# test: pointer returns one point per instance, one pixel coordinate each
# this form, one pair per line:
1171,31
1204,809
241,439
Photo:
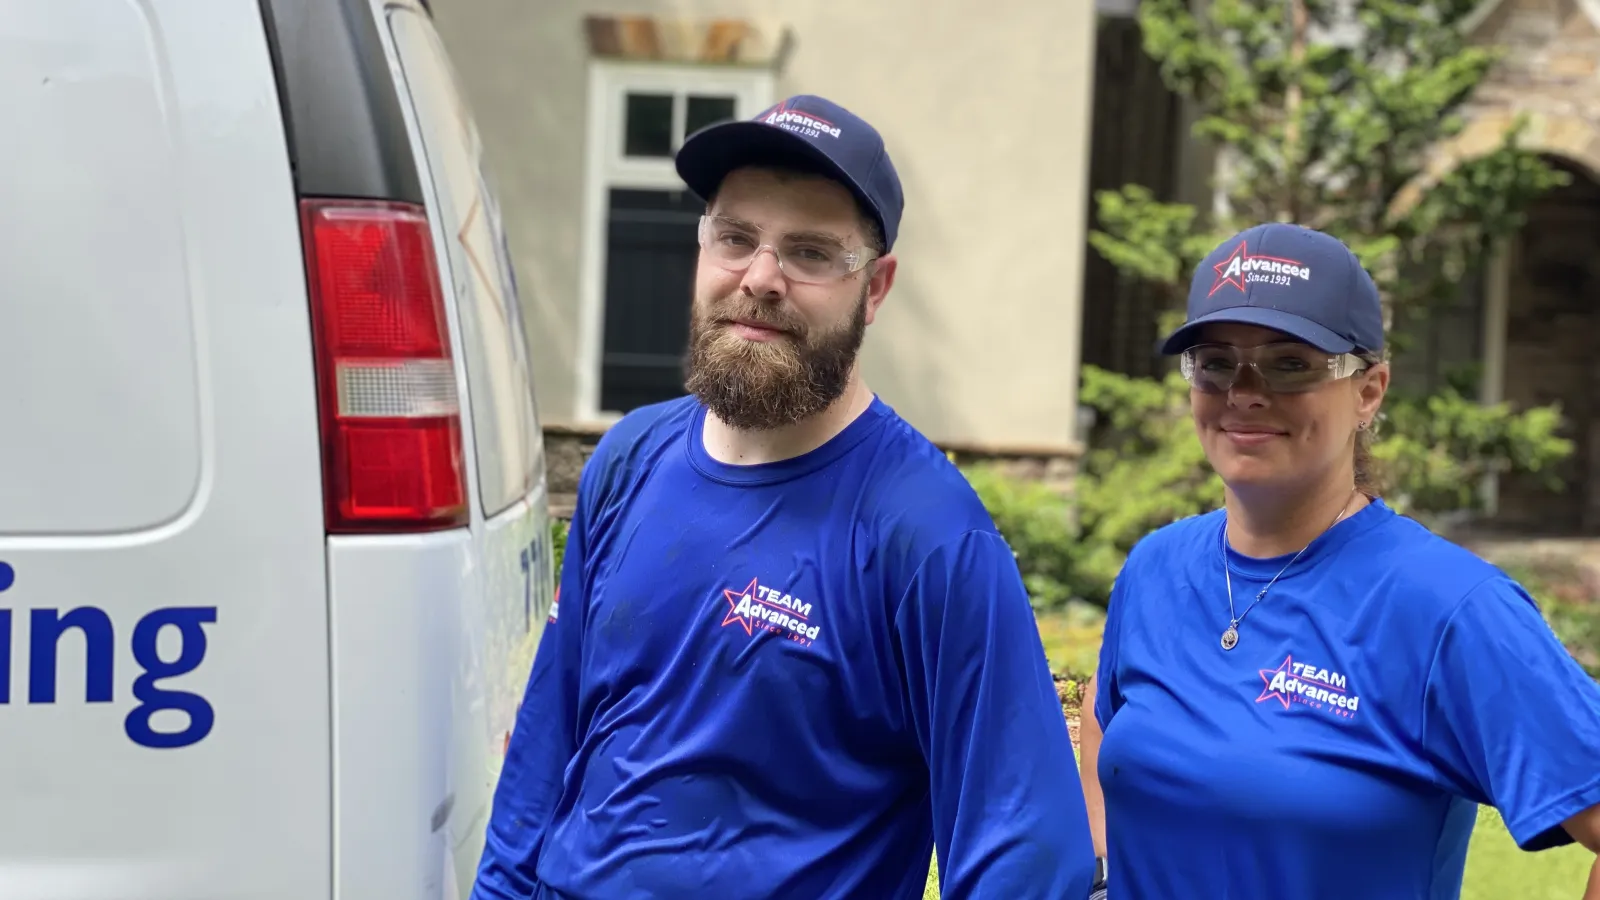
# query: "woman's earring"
1361,426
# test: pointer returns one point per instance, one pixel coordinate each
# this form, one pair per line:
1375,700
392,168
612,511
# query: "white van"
274,548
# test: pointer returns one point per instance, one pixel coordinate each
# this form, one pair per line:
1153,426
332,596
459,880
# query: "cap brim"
1295,326
712,152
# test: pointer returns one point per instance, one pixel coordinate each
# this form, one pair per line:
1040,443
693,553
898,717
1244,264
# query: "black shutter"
651,248
1137,135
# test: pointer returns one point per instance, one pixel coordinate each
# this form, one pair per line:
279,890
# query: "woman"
1305,695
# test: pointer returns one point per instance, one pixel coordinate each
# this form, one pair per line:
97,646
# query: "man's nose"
764,278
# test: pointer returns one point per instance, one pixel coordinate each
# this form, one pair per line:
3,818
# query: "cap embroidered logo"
1241,268
801,123
805,127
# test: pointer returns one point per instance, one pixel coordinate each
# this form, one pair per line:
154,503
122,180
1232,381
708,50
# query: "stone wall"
1552,49
1550,74
1550,78
1552,324
568,447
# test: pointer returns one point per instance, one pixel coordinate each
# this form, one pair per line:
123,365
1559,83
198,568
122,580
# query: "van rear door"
504,617
163,606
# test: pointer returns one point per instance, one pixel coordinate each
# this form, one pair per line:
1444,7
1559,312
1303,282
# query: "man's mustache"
729,312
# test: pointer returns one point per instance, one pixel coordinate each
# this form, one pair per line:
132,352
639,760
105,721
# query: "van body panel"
163,614
398,650
497,609
114,444
202,693
418,737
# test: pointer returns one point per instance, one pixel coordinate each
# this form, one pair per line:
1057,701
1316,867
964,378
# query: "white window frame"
605,168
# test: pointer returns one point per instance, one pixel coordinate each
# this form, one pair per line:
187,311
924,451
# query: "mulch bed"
1070,690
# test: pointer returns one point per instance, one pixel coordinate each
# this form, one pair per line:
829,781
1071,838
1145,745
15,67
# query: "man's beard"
762,385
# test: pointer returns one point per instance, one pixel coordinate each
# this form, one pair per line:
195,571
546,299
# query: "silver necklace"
1230,638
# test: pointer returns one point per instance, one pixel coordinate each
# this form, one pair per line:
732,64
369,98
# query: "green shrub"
1569,603
1434,451
1578,626
1144,469
558,544
1037,523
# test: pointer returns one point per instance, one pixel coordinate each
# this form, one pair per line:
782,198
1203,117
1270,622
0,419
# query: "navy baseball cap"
1289,278
801,130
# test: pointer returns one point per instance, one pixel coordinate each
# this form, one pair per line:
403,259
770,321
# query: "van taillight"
391,422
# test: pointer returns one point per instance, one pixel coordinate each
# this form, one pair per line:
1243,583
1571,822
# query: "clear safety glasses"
1285,367
808,258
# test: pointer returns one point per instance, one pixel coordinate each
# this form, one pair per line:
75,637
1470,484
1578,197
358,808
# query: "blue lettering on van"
530,563
534,558
44,636
46,628
192,651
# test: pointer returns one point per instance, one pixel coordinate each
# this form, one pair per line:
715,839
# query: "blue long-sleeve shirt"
791,680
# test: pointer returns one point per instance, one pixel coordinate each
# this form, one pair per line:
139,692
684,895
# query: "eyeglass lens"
802,257
1283,368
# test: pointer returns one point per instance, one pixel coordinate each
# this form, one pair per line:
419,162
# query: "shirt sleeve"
1511,718
1008,810
543,741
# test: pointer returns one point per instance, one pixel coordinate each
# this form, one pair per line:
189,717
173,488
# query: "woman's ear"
1371,387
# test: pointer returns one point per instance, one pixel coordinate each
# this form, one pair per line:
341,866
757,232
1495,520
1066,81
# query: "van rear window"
505,420
99,405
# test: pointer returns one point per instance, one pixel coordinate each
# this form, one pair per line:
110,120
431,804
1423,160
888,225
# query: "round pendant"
1230,638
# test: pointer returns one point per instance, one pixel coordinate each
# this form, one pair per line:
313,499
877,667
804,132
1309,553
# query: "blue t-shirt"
1389,682
790,680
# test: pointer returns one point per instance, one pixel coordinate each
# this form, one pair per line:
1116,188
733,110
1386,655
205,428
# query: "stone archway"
1540,304
1538,341
1550,77
1549,349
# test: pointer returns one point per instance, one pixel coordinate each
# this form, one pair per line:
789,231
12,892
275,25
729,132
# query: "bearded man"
791,656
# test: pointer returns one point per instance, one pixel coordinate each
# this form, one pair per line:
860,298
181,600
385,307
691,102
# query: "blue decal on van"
99,648
192,651
46,627
8,576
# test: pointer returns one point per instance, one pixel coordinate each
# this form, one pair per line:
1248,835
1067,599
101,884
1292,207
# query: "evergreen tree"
1327,113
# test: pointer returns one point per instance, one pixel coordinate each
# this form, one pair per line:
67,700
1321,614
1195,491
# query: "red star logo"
1267,693
1231,270
733,598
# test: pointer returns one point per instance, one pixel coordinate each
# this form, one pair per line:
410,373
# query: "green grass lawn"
1496,869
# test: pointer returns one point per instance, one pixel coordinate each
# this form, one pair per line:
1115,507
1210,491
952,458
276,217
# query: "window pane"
704,111
648,128
650,260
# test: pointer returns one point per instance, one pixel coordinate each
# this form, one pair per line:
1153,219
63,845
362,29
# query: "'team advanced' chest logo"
761,607
1310,685
1242,268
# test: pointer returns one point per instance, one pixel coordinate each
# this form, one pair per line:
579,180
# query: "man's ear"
879,280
